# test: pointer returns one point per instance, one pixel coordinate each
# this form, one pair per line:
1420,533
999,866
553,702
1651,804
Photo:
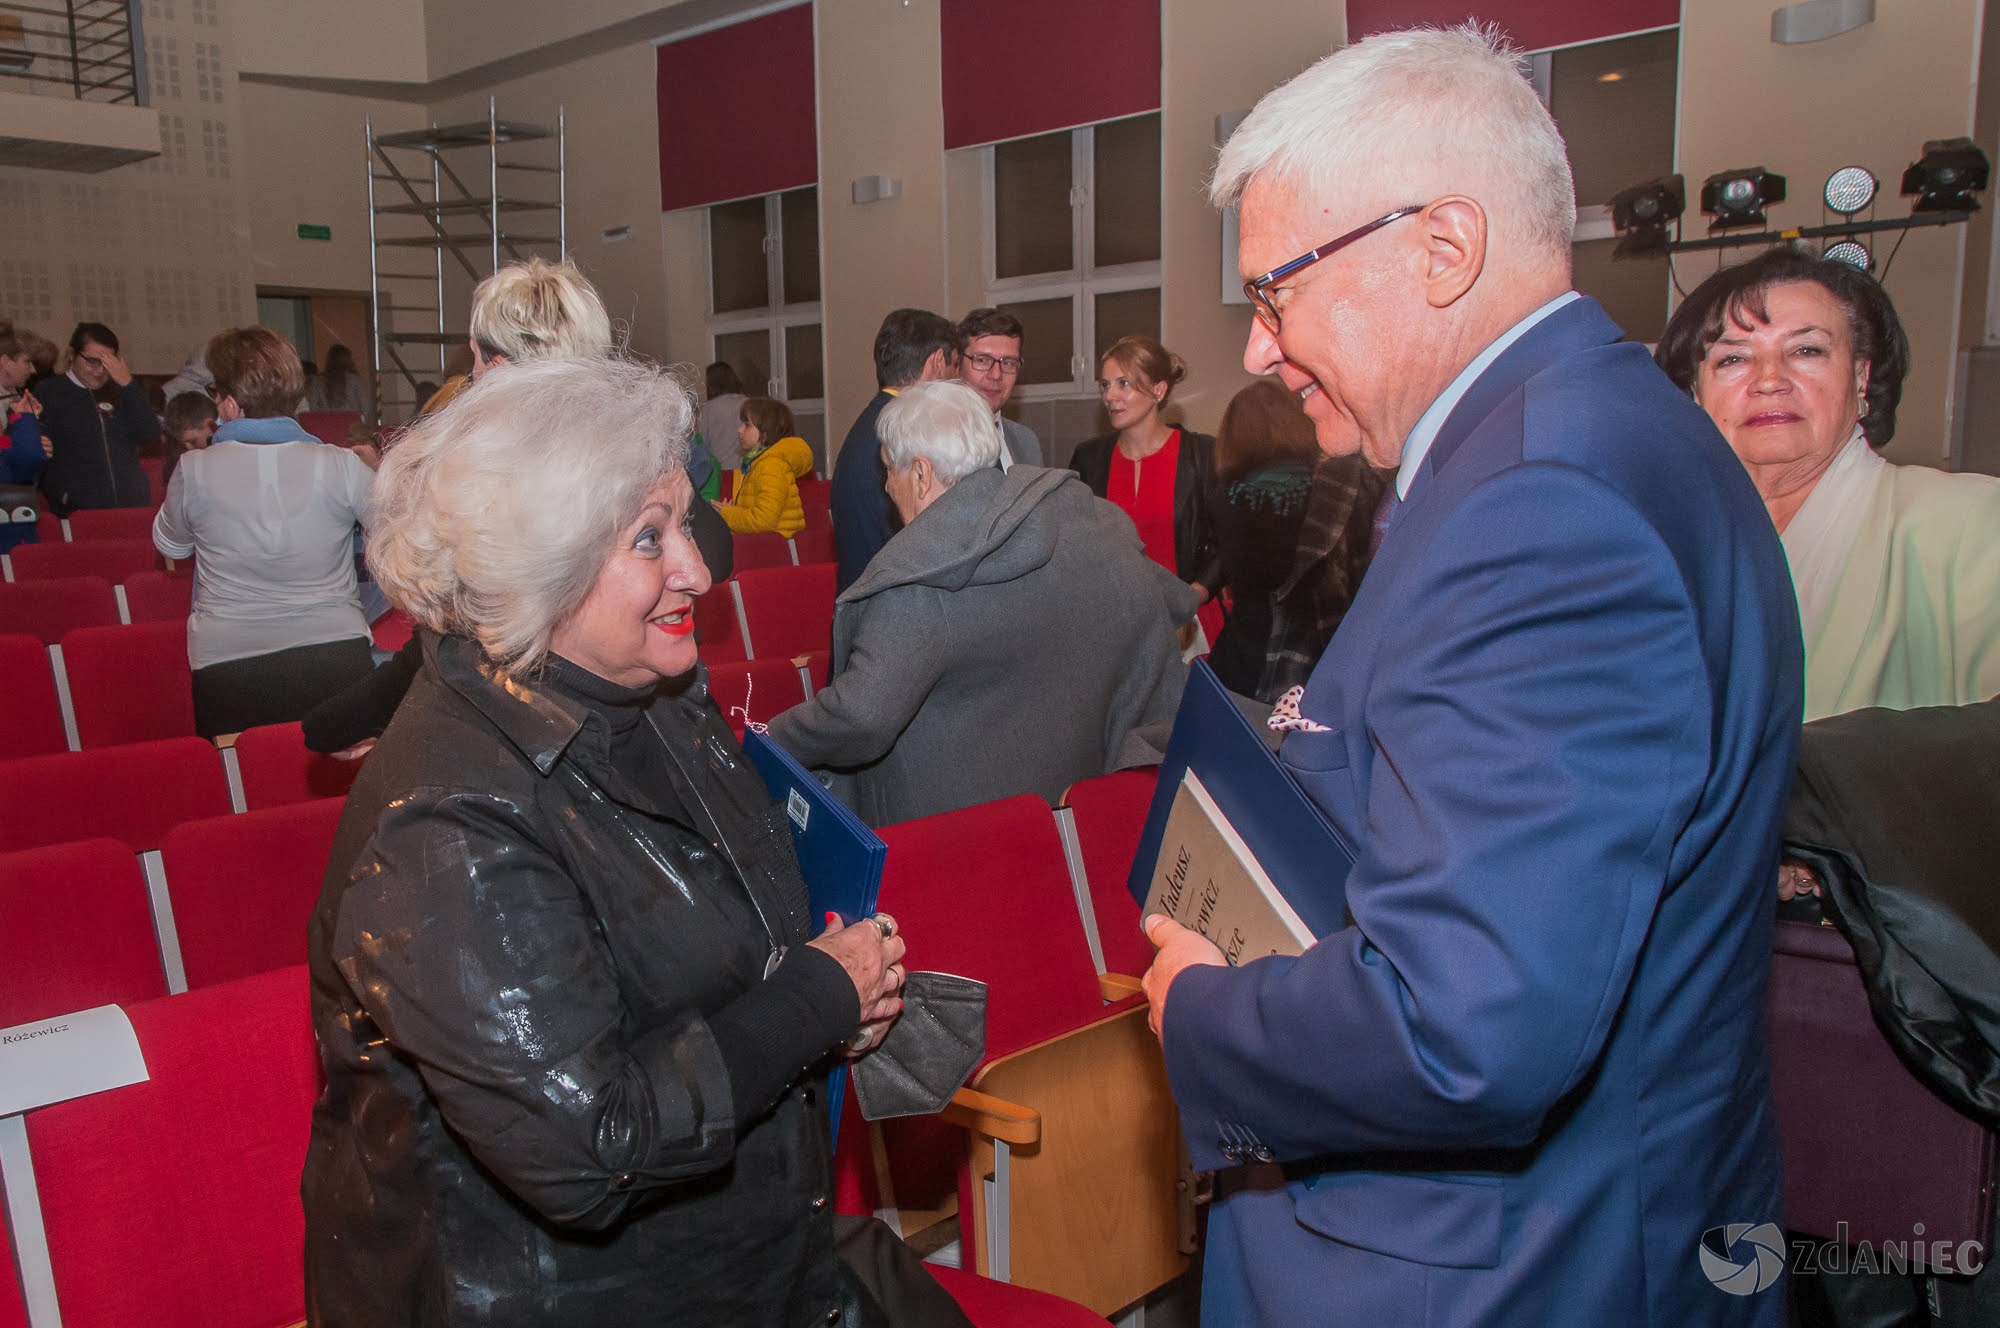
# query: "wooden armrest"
994,1117
226,739
1117,986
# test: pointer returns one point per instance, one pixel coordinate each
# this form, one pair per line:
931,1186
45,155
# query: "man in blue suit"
1556,727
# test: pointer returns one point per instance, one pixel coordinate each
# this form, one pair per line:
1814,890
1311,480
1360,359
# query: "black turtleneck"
771,1033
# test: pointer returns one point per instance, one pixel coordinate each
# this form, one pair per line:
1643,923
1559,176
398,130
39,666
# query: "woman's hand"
1795,879
114,364
872,954
27,405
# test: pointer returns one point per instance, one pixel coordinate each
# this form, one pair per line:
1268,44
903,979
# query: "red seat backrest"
717,632
129,684
277,769
159,596
76,930
393,630
134,794
788,611
762,549
47,609
119,523
329,426
814,544
175,1202
156,475
243,887
760,687
1110,813
31,716
112,559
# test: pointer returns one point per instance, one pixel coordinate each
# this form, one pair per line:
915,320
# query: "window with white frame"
763,295
1073,246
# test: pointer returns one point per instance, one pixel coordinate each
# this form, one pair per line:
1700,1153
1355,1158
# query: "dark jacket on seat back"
1898,811
524,967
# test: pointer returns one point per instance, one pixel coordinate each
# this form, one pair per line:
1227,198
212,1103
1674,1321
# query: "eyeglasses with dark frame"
1258,289
1006,364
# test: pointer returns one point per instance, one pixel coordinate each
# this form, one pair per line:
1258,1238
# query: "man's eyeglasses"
1259,289
1006,364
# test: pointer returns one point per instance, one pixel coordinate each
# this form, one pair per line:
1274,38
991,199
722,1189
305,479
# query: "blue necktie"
1385,511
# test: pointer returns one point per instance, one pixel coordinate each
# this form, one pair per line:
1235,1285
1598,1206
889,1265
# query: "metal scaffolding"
424,224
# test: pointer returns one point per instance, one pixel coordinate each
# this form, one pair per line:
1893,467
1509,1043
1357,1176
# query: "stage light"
1852,252
1947,176
1850,189
1738,198
1640,215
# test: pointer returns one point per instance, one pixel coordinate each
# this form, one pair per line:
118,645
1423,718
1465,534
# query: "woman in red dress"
1161,475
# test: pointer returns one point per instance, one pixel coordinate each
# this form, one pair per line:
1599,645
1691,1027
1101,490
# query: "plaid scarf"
1326,570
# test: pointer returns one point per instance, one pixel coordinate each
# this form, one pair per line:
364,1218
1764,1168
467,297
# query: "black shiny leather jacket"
1197,553
526,1119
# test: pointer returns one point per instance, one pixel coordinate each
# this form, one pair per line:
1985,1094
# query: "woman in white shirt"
268,514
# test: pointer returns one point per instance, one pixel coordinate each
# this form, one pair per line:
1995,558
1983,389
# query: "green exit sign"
311,232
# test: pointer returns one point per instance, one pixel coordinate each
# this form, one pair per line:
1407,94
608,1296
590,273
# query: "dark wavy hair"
1736,295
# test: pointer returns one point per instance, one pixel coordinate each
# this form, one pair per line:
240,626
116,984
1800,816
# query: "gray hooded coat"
1014,638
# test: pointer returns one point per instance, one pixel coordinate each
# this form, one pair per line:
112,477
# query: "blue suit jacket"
858,502
1532,1072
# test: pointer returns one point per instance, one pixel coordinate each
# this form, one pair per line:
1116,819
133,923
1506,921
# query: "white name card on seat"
71,1055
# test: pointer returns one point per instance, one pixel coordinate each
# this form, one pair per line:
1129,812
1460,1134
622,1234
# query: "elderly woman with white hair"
568,1010
1013,637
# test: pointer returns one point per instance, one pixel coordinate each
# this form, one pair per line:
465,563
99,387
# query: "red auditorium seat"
134,794
814,544
787,611
49,528
991,1304
159,596
764,549
175,1202
76,930
156,475
47,609
329,426
277,769
1028,946
1110,812
717,630
129,684
393,630
762,687
102,523
243,887
112,559
726,486
818,665
31,723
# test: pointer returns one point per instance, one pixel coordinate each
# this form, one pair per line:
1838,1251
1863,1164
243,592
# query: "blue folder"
840,857
1302,851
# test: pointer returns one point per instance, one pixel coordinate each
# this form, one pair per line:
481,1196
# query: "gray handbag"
933,1045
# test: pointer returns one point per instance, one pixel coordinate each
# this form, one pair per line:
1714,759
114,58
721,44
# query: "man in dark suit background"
912,346
1556,726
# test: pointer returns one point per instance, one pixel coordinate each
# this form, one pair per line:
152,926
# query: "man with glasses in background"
991,366
1527,1085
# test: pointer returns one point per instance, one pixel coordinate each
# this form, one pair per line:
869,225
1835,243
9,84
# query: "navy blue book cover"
1302,852
840,857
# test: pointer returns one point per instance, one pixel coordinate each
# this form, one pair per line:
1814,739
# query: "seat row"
1089,1212
779,612
114,558
175,1201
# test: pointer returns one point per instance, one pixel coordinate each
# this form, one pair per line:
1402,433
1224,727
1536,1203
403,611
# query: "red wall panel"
737,111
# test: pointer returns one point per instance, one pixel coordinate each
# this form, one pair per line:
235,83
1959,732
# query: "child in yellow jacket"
774,460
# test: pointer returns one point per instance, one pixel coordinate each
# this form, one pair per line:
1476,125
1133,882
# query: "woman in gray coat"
1012,638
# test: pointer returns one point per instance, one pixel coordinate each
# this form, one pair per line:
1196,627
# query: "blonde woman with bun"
1159,474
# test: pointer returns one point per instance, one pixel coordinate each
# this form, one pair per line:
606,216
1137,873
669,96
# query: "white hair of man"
538,310
947,423
1411,116
492,519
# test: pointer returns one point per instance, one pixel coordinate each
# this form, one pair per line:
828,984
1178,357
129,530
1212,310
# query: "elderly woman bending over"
1800,362
568,1010
1012,638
